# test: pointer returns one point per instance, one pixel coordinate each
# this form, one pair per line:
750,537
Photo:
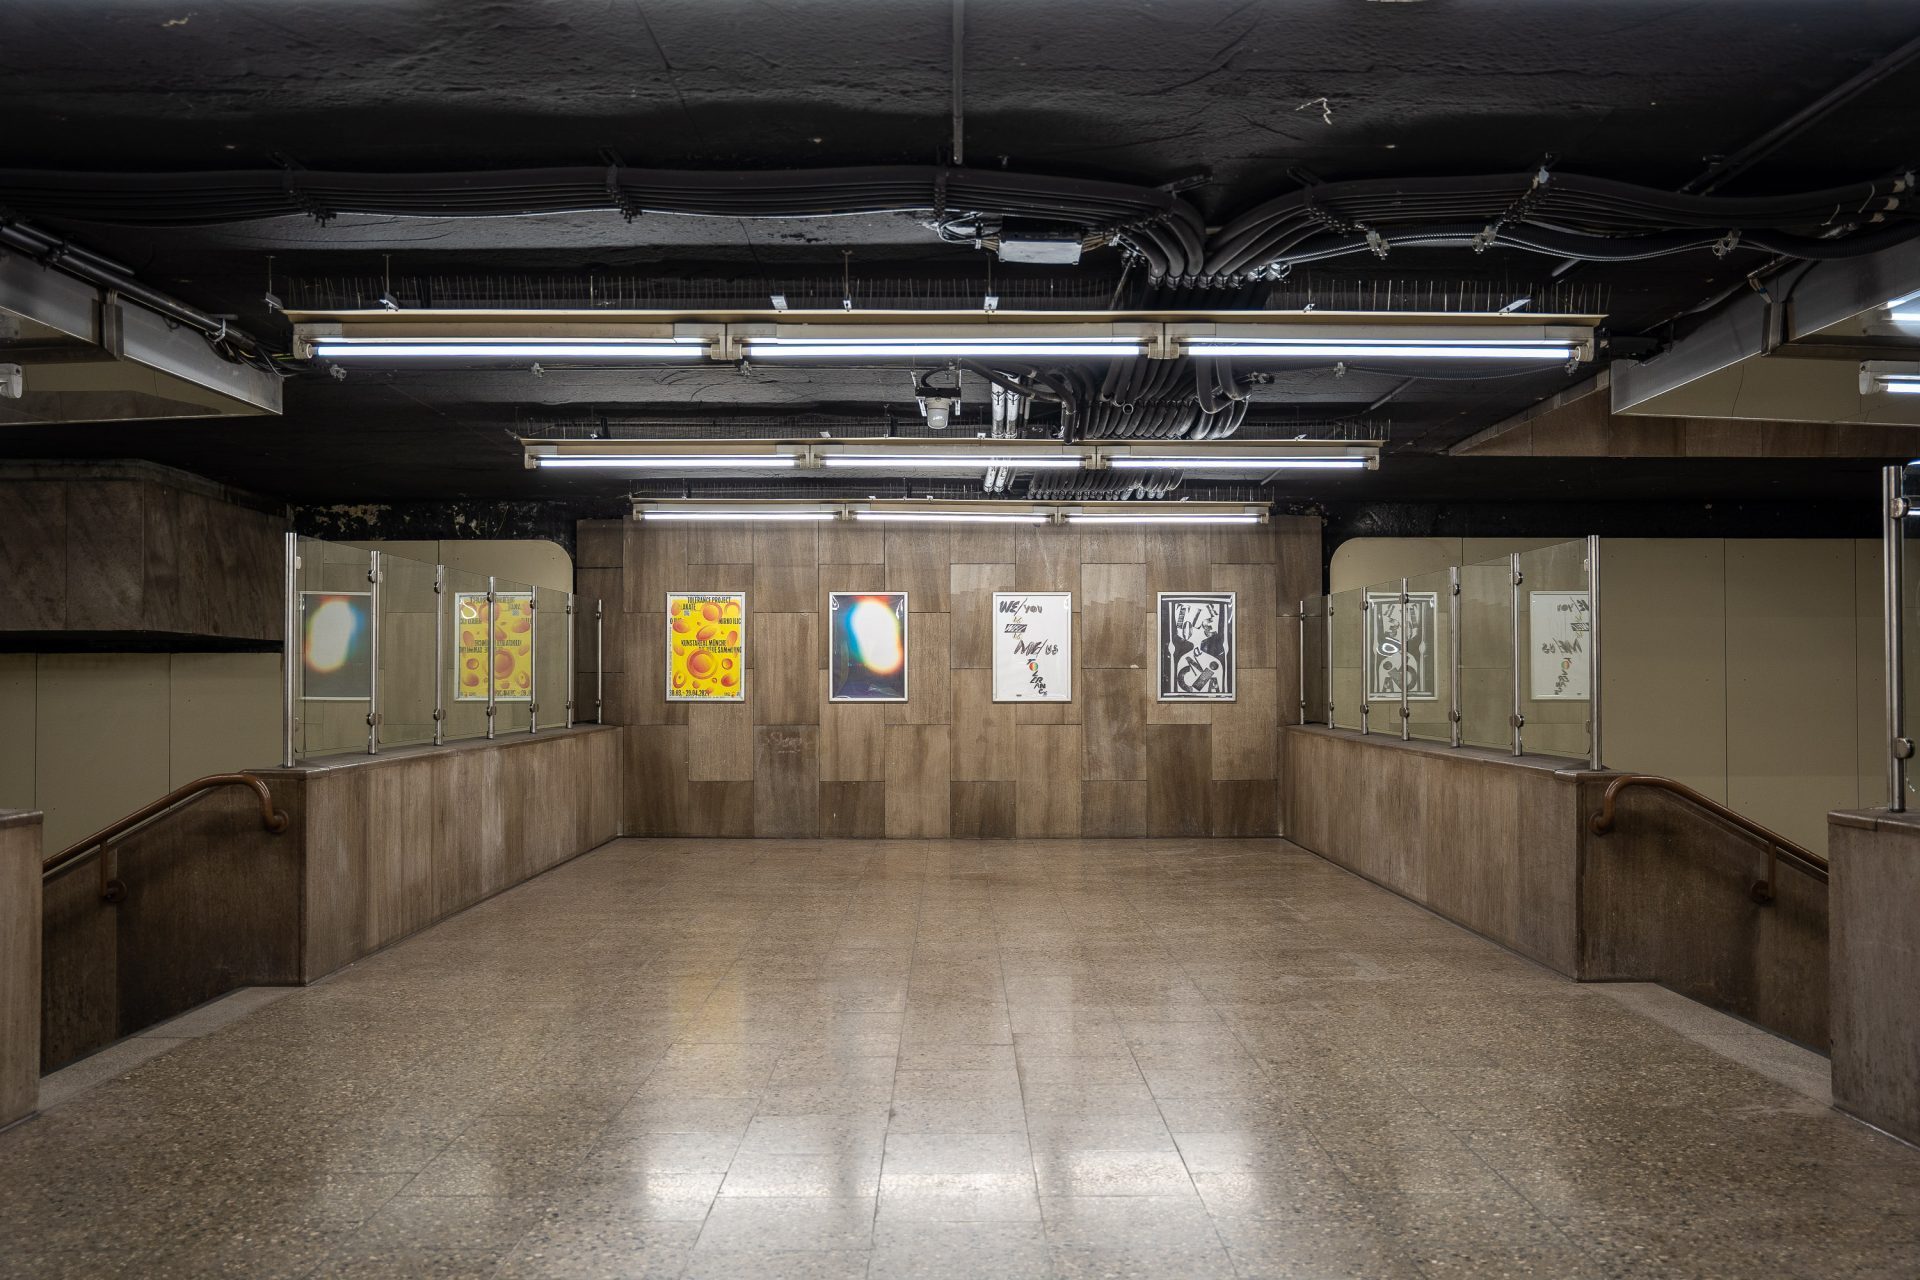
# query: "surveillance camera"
939,412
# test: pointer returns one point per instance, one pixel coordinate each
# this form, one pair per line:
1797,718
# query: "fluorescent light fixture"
1901,386
953,517
768,514
1150,517
1890,377
1905,309
643,461
822,348
911,461
1233,462
1384,349
511,348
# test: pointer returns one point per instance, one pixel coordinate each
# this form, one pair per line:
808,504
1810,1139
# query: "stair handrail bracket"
1779,848
271,819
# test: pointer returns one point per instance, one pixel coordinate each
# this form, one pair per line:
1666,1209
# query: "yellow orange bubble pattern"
512,647
706,646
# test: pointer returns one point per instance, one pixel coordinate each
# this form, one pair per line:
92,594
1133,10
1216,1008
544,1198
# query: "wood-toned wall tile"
1048,797
983,730
599,544
1048,560
1179,792
1115,710
654,759
1286,670
656,564
919,798
721,544
853,739
1053,712
1113,544
983,810
919,561
1255,606
1244,730
785,677
723,576
786,780
970,589
986,544
860,578
720,741
1115,809
1178,560
852,542
929,675
853,810
722,810
608,586
399,852
639,693
106,556
786,576
1246,808
1242,544
1116,617
1298,568
162,605
33,554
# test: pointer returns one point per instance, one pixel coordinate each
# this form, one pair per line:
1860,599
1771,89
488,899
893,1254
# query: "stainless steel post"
1366,664
439,654
290,651
1302,619
1593,650
533,662
599,660
1329,660
1453,648
1893,514
1517,720
1406,631
493,620
571,677
373,655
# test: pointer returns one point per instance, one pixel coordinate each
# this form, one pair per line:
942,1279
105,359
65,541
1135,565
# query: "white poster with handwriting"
1561,627
1032,637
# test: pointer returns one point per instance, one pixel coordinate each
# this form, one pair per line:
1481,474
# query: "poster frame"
667,648
533,643
1231,692
906,650
998,653
371,622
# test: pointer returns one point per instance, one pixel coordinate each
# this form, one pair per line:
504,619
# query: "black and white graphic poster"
1032,646
1196,646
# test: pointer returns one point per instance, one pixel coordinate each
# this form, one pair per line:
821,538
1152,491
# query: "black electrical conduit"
1561,214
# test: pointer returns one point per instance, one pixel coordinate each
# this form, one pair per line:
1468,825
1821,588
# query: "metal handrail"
73,855
1779,848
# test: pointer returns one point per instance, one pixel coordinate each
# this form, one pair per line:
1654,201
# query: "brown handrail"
1778,846
110,890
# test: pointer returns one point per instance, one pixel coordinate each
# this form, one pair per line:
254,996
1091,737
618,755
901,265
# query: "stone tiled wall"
951,762
19,963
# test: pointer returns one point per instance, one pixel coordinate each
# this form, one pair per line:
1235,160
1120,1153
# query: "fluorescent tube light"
953,517
767,514
1901,387
1241,462
512,349
907,348
1157,518
1890,377
642,461
1387,349
911,461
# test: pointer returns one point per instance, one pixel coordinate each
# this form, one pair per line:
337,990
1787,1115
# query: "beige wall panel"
33,562
597,544
1115,710
1870,682
101,739
1256,608
20,986
724,544
853,739
1178,560
1116,616
1297,559
1245,808
919,562
106,555
984,810
785,569
225,713
1240,544
1048,559
723,576
786,780
971,588
654,759
1115,809
919,795
852,542
986,544
1179,792
853,810
19,703
983,730
656,564
720,741
929,675
1664,609
1113,544
785,677
1244,730
1047,799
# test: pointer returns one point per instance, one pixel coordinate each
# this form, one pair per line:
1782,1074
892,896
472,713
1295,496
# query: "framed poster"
1392,631
1560,625
706,646
1032,639
1196,646
512,646
336,646
867,646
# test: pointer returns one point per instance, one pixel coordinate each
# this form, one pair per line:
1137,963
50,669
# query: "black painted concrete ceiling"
1233,97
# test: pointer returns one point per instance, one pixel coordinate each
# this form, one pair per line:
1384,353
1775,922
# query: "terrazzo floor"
930,1059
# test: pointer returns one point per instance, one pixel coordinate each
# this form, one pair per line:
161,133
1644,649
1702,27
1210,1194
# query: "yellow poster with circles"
512,646
706,646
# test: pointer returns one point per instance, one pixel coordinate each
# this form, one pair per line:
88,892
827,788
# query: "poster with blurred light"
512,622
867,646
706,646
336,646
